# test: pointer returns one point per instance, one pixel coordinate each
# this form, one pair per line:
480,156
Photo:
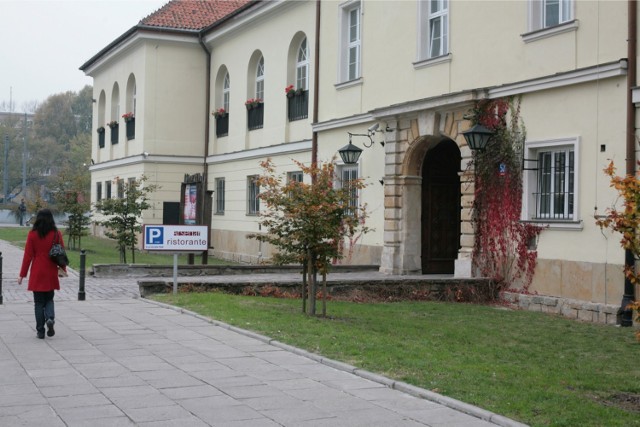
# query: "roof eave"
131,32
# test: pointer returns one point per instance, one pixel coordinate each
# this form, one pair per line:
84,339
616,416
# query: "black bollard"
1,278
83,258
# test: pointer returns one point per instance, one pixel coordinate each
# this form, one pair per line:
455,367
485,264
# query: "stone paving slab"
118,360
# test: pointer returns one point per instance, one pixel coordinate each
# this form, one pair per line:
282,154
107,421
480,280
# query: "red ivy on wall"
504,246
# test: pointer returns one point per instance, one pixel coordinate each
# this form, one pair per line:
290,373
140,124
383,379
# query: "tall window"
350,42
253,190
551,181
354,44
120,188
347,175
555,184
98,191
220,197
438,28
260,79
107,189
302,67
135,99
226,88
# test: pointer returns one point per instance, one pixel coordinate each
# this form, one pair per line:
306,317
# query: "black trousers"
44,309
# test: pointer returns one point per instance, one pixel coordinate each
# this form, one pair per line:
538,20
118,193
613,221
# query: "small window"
131,182
98,191
297,176
549,13
220,197
253,190
551,181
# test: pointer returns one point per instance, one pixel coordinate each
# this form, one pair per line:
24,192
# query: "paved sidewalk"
117,360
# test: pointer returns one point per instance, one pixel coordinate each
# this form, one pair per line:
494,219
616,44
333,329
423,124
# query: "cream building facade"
411,70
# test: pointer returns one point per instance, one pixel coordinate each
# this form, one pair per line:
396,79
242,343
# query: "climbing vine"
503,245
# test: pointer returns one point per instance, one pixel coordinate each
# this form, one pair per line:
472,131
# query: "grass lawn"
538,369
99,250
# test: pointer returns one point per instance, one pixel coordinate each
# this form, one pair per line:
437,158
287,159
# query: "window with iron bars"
253,190
550,180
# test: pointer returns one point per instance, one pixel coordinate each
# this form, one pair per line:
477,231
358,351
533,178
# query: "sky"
43,43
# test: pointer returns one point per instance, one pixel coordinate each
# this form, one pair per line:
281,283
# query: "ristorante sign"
176,238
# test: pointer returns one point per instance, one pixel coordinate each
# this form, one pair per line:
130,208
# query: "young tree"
308,222
72,197
123,214
626,221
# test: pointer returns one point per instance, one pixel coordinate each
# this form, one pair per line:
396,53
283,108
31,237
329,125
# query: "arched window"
226,88
302,67
260,79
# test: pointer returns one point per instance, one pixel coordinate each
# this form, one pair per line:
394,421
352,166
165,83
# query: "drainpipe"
628,297
316,92
203,200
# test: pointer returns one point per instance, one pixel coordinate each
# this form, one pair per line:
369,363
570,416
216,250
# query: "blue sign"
154,235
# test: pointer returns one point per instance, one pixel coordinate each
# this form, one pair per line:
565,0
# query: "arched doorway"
441,205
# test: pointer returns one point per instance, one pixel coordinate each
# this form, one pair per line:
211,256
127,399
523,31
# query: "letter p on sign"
154,236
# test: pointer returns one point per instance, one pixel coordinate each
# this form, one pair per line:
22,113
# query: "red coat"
44,272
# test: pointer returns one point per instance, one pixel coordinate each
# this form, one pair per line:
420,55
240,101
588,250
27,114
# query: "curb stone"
397,385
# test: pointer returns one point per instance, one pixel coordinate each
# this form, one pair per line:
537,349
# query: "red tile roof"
192,14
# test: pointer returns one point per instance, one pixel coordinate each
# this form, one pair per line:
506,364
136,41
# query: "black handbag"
57,253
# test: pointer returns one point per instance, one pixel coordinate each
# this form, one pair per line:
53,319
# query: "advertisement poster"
190,192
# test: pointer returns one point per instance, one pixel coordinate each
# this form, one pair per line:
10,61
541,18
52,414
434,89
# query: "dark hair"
44,222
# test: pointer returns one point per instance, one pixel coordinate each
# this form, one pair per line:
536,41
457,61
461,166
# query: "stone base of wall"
574,309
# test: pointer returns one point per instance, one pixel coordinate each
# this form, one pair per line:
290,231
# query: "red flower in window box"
128,117
220,112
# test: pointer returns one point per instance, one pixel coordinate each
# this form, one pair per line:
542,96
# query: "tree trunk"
312,282
324,294
303,292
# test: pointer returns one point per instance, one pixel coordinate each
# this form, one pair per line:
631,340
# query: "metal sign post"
176,239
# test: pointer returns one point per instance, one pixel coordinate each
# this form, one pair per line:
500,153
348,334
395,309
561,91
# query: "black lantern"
478,137
350,153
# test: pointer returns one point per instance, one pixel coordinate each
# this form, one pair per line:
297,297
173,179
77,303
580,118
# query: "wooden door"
441,208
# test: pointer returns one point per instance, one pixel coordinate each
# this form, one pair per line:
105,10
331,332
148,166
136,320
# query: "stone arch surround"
405,150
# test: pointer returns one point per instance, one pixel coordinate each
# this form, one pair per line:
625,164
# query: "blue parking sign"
154,235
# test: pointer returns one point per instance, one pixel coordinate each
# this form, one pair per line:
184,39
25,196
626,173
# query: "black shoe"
41,335
50,331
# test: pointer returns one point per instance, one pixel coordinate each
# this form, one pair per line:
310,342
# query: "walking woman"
43,279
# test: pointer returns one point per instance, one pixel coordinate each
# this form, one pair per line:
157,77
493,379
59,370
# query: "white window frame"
260,79
253,190
302,66
531,203
537,28
226,92
134,99
220,196
354,172
424,57
297,176
98,191
347,45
